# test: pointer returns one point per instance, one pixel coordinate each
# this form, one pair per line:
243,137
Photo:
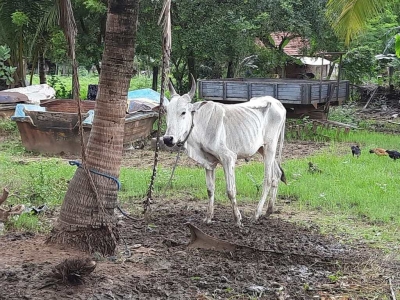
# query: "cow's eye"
183,113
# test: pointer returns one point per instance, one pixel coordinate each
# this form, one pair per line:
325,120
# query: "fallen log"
5,213
199,239
4,197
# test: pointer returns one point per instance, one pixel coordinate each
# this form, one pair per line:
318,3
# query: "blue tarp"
20,110
146,93
19,114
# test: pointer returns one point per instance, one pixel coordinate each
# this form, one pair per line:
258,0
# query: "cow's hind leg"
269,159
210,181
228,163
276,175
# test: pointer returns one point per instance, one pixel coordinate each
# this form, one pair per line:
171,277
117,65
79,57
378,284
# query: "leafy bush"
344,114
6,72
358,64
59,86
8,127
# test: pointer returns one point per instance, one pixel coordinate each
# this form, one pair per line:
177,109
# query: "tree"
87,214
91,22
350,17
18,23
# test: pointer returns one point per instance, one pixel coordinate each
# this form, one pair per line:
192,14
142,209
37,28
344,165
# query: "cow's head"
179,116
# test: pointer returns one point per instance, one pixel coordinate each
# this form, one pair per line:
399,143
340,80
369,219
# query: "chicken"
378,151
313,168
356,151
393,154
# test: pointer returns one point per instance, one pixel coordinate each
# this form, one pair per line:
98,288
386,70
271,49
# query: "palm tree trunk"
155,77
42,67
21,60
83,223
230,72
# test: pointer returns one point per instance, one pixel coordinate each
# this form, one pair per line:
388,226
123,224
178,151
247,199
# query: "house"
303,67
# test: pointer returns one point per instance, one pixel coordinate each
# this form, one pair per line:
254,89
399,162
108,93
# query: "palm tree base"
102,240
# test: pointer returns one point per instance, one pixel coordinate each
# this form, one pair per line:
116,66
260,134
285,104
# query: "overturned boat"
53,126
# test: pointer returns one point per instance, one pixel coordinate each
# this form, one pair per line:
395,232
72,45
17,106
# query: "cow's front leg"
210,182
229,170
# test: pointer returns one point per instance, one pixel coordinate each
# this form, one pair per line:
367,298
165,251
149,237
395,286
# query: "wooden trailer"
300,97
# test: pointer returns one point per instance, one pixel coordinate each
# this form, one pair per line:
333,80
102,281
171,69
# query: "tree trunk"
98,68
191,61
82,222
42,68
35,59
231,72
155,77
21,70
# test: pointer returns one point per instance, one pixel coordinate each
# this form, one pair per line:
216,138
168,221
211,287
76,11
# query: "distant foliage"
59,86
6,72
359,64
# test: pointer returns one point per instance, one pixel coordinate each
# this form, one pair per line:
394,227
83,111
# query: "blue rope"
79,165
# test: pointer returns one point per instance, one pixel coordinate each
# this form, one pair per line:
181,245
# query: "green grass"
28,222
63,84
34,182
365,188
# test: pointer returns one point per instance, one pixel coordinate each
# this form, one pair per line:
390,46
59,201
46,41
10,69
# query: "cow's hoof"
207,220
254,219
269,212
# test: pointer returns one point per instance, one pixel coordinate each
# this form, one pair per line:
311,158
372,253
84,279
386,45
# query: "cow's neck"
190,131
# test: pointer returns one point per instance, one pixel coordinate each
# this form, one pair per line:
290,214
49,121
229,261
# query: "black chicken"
356,151
313,168
393,154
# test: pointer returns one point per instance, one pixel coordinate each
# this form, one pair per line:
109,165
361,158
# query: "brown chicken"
378,151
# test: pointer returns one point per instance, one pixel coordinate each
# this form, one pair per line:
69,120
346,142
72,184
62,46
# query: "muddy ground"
289,262
144,158
284,261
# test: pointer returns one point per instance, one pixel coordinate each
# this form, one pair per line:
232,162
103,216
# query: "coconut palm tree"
87,214
349,17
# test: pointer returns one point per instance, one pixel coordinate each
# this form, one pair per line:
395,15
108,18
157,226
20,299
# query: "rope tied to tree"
165,16
68,25
79,165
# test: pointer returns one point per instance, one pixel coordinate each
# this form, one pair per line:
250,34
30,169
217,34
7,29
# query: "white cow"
215,133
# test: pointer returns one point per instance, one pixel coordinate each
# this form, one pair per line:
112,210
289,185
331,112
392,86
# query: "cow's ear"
196,106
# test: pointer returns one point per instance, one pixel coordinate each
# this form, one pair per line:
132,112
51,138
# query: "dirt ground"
144,158
287,261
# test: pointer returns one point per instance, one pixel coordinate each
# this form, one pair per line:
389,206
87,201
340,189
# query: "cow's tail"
280,149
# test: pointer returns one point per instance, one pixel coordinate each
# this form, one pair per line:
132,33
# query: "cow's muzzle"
168,140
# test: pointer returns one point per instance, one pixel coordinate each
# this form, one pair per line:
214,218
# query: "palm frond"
49,19
165,18
68,24
349,17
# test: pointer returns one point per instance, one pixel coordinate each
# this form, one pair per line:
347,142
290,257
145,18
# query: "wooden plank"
258,90
236,90
212,90
224,91
290,91
200,89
